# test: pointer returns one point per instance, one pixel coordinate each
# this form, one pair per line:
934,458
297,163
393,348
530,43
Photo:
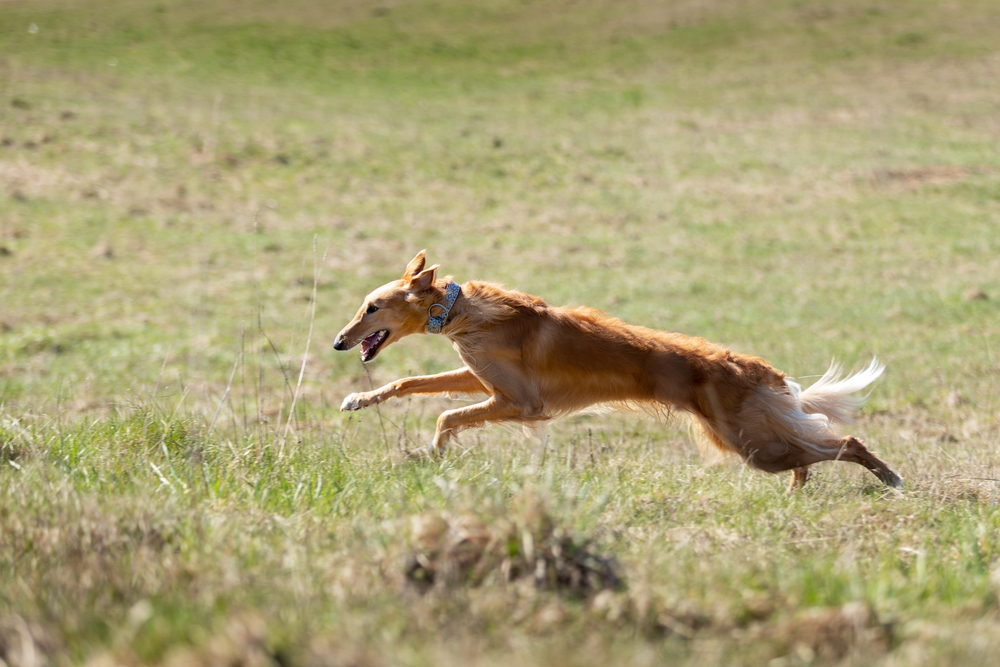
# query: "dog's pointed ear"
423,280
415,266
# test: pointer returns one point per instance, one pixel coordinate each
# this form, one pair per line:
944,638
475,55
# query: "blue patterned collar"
435,322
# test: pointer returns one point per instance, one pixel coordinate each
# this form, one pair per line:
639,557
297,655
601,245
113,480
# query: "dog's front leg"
460,381
496,408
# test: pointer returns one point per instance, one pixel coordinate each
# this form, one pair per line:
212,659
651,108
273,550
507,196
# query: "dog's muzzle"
339,343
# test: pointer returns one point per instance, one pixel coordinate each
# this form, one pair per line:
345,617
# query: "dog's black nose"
338,343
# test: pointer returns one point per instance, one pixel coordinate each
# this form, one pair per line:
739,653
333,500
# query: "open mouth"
371,344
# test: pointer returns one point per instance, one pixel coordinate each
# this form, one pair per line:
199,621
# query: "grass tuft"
466,550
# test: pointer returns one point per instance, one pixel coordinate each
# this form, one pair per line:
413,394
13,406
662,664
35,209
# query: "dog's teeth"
371,343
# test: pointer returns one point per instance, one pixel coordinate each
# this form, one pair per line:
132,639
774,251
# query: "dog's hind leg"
854,450
496,408
777,456
799,478
775,435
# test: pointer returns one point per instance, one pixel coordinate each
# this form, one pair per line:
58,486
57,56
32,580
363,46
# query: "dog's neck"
439,313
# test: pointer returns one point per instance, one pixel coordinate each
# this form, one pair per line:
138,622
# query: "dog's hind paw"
890,479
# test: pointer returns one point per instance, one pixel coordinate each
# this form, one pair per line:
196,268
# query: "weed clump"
524,545
13,446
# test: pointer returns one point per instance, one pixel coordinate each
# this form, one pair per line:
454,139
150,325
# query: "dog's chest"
466,355
478,363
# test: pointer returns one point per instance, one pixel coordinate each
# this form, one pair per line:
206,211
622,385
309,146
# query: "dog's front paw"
355,402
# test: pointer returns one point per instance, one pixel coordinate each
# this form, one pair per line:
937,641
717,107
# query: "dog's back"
579,357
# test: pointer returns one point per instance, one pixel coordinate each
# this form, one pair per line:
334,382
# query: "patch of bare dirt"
929,175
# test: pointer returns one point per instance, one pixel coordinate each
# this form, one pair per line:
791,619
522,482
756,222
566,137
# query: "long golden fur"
535,362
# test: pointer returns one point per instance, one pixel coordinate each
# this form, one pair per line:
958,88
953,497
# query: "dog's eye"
371,308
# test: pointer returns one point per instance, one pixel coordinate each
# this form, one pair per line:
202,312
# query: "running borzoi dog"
535,362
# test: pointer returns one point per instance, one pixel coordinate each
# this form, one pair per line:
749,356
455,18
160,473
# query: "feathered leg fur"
791,430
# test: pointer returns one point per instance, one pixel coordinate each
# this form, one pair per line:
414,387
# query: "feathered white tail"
831,396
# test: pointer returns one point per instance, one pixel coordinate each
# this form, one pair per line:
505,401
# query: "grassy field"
195,196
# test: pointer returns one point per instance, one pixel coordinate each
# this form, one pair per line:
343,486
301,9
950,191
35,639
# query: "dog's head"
391,312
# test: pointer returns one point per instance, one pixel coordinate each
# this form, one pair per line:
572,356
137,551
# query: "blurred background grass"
761,174
799,180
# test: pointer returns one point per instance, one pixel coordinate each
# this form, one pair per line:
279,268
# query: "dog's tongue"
367,343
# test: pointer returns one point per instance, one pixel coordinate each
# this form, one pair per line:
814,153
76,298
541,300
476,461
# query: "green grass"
799,180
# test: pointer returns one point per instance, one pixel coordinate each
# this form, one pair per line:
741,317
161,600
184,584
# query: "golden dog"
535,362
